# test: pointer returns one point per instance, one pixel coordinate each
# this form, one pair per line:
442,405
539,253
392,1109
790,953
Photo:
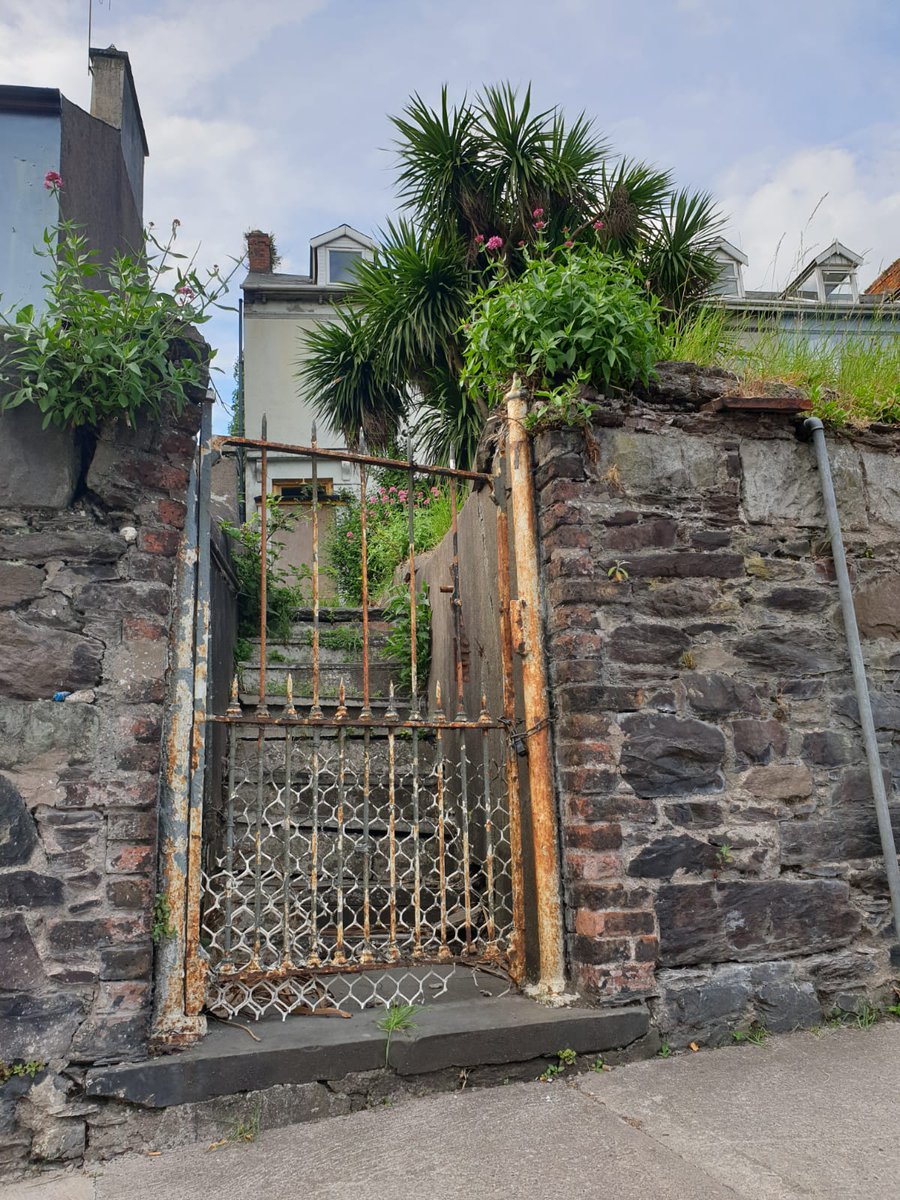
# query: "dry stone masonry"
721,854
89,531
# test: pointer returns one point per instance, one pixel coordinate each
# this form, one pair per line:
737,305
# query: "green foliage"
850,380
562,407
20,1070
161,922
243,650
665,1050
482,182
398,645
582,319
285,586
399,1018
387,535
346,640
756,1035
566,1058
92,352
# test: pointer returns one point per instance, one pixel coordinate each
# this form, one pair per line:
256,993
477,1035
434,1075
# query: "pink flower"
401,496
349,535
539,224
185,294
425,500
568,243
538,212
598,224
494,243
392,488
383,494
435,491
52,180
479,239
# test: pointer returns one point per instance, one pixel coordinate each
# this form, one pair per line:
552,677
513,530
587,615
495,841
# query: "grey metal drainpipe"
851,630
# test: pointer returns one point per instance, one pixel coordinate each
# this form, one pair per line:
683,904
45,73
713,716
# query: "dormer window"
831,275
334,255
342,265
730,281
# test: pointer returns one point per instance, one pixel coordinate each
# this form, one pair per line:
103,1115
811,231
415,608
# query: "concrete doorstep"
804,1115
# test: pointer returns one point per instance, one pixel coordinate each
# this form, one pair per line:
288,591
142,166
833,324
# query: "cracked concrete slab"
803,1116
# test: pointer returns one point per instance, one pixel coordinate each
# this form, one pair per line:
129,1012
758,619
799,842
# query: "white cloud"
781,214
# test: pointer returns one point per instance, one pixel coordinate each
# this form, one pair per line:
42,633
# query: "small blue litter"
60,696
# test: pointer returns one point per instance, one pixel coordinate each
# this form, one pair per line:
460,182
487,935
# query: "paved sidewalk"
803,1116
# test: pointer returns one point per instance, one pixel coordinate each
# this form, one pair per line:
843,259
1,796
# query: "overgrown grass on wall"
852,379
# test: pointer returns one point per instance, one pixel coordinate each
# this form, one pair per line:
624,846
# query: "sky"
275,114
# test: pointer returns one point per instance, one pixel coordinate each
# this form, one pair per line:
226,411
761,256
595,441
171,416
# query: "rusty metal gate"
325,848
360,834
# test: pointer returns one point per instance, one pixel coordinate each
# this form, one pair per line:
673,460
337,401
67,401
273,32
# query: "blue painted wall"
29,148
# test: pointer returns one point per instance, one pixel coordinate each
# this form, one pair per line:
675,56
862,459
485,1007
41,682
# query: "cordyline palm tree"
482,181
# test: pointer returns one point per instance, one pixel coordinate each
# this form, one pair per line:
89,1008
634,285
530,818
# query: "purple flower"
53,181
494,243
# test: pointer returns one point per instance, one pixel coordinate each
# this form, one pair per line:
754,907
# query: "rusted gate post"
527,634
177,1019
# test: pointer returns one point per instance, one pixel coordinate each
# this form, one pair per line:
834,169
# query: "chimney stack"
114,101
260,252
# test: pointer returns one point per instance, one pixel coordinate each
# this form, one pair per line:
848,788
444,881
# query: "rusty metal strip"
516,864
313,959
197,961
366,710
315,712
393,952
261,709
544,826
339,955
171,1026
492,952
362,459
286,866
444,952
358,721
366,955
413,593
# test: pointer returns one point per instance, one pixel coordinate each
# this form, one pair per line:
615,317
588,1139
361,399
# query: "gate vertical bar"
544,828
414,704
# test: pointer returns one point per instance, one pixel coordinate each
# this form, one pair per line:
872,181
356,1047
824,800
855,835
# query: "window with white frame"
342,265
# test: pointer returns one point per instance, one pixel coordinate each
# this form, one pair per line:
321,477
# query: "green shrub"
285,586
399,641
387,535
89,353
583,316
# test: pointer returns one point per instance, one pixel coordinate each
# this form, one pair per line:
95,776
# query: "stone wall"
89,532
721,854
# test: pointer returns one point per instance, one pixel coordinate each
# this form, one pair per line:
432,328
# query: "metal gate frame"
182,963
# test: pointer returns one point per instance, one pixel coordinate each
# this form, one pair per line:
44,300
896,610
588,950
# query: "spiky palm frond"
348,386
416,293
678,257
443,178
446,420
631,196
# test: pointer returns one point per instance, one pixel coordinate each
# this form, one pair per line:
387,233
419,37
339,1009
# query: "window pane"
341,264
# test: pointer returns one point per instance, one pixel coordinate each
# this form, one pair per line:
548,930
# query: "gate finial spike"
265,428
234,706
313,433
341,710
438,707
289,710
391,714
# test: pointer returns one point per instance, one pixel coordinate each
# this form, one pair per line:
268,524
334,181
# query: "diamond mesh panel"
339,851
